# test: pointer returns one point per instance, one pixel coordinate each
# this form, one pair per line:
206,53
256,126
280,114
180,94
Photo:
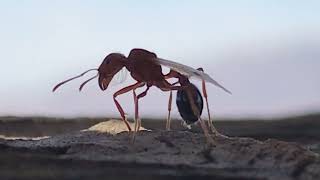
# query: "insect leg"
137,120
122,91
135,116
168,123
141,95
169,112
204,91
206,133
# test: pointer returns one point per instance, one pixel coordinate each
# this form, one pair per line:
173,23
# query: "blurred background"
266,52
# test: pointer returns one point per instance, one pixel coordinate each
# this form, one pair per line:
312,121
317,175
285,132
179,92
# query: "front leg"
122,91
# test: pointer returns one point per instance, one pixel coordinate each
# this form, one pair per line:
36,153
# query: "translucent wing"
189,72
119,78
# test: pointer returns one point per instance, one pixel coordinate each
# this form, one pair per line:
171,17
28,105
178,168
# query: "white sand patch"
112,126
22,137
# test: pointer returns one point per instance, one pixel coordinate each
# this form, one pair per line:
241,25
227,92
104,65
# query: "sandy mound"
112,126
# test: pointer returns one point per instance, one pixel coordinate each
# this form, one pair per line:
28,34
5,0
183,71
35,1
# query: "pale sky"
266,52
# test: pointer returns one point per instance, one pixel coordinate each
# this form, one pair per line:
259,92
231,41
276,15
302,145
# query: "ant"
145,67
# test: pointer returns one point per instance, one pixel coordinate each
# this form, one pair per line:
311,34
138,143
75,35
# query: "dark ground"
160,154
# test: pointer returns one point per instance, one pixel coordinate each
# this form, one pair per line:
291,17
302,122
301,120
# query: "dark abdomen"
184,104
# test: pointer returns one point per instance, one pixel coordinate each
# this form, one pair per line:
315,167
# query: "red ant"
145,68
